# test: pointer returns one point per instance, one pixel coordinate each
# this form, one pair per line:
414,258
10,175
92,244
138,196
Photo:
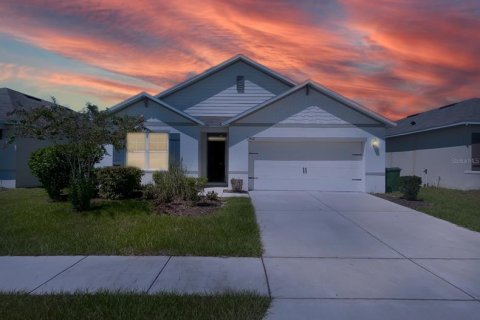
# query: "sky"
396,57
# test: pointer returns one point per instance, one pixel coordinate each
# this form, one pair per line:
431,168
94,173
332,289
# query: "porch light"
217,138
375,143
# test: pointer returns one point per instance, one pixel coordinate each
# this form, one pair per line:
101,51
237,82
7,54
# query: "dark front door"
216,157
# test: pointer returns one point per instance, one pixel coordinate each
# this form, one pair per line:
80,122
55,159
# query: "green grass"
132,306
459,207
30,224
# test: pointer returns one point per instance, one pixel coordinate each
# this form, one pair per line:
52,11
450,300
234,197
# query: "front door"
216,157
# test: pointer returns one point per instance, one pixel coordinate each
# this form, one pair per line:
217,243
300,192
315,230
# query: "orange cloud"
395,57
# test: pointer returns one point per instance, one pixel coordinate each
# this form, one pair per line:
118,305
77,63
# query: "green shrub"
81,192
118,182
50,166
149,191
410,186
175,185
212,196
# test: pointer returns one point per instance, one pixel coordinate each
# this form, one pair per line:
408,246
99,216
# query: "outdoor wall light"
375,143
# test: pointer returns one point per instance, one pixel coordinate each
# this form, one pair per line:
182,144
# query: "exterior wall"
217,93
331,121
7,162
443,153
160,119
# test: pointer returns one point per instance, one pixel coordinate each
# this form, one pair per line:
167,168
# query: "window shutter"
476,151
119,157
174,149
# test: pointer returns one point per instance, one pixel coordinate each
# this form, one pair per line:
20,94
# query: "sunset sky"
394,56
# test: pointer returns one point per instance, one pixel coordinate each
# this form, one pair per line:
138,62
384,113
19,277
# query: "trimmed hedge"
118,182
50,166
410,186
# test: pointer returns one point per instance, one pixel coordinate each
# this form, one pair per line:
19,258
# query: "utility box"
392,179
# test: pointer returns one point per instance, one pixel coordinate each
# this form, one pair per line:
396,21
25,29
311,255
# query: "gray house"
14,170
242,120
442,145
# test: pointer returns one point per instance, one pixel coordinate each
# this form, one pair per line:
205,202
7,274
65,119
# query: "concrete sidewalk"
143,274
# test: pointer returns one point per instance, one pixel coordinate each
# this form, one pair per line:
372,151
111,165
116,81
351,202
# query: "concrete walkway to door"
331,255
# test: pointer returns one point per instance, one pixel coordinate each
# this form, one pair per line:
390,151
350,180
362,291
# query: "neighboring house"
442,145
14,170
242,120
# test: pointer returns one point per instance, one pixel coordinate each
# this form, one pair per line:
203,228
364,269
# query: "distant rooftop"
452,114
11,100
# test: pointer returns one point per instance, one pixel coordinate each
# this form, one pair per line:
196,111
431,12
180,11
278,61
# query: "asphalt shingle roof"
11,100
456,113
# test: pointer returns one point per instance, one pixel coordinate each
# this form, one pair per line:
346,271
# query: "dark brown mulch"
231,191
415,204
184,208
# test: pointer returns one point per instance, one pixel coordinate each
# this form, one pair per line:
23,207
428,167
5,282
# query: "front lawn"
456,206
132,306
30,224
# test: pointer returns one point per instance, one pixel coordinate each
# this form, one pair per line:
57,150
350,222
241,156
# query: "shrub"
118,182
175,185
149,191
410,186
81,192
212,196
237,185
50,166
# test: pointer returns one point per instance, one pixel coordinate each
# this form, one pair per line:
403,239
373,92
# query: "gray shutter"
476,151
174,149
119,157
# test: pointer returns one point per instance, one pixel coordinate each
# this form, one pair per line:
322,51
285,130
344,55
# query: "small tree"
83,136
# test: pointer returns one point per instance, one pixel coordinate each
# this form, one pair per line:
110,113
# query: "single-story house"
14,170
242,120
441,145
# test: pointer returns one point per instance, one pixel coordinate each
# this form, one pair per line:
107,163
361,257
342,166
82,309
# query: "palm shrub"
410,186
175,185
50,166
118,182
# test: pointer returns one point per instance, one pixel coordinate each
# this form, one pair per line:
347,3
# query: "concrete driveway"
331,255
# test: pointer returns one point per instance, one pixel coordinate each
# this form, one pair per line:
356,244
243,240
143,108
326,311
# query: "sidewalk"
142,274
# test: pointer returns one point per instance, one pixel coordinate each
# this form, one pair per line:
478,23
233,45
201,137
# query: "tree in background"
82,135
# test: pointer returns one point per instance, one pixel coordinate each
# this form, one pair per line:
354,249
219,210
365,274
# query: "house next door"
216,144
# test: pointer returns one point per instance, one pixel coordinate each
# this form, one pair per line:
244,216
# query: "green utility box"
392,179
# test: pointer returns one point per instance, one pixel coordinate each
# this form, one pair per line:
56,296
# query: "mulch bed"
187,209
231,191
404,202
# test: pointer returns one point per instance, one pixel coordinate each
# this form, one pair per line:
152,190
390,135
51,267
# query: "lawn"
456,206
132,306
30,224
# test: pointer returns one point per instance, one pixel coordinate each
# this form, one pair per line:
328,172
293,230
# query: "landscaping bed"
31,224
133,306
457,206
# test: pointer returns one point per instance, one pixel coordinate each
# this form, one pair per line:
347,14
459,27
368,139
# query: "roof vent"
32,98
413,123
448,105
240,84
413,115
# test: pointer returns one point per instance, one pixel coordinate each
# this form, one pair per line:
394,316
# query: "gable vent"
240,84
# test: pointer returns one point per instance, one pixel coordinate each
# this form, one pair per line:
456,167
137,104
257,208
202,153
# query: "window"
240,84
476,151
147,151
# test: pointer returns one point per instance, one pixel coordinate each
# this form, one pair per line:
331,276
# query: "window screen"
147,151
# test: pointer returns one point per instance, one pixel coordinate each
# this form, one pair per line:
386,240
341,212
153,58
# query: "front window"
147,151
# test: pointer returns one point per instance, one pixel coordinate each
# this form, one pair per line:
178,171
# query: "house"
242,120
14,170
441,145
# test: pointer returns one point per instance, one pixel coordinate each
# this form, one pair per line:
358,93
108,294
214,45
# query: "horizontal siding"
229,102
217,93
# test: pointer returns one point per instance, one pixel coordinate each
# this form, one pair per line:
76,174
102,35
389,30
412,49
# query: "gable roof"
11,100
460,113
144,95
321,89
222,66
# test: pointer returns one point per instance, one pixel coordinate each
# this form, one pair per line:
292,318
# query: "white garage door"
312,165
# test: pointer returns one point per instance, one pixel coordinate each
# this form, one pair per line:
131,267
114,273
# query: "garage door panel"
329,166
